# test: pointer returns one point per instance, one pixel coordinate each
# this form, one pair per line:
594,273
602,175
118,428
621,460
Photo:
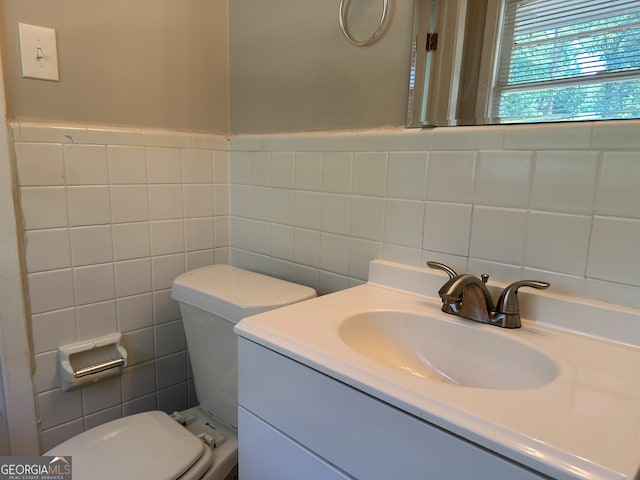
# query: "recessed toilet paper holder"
91,360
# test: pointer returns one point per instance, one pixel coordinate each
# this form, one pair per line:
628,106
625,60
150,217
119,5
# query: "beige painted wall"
153,63
292,70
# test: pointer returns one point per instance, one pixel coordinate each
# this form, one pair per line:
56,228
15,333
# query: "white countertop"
583,424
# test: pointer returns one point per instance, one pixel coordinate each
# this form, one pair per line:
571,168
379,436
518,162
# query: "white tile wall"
556,202
112,216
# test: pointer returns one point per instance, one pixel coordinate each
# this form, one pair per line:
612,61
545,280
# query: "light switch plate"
38,52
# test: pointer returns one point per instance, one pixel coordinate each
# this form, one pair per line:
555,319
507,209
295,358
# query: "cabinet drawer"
361,435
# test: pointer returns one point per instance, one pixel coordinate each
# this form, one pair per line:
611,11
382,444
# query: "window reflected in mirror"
519,61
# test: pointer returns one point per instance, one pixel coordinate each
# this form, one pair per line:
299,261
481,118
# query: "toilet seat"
149,445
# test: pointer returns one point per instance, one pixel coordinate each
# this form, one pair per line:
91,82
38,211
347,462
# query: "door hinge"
432,42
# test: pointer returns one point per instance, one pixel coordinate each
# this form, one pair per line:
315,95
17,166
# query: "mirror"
480,62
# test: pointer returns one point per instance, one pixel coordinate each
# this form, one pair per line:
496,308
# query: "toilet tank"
212,300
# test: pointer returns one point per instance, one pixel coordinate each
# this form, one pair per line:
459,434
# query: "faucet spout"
467,296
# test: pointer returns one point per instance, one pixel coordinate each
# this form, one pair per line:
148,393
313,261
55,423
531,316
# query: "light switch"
38,52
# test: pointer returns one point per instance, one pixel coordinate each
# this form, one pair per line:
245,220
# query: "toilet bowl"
199,443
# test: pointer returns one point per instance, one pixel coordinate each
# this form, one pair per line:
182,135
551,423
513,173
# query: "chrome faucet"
467,296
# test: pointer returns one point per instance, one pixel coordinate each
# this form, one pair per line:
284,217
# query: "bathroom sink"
457,352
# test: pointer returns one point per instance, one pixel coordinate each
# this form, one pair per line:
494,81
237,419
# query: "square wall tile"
58,407
131,240
220,167
165,269
86,165
361,252
198,200
565,181
239,200
367,217
447,227
51,290
133,277
199,258
282,202
103,416
165,202
53,329
498,234
561,284
308,168
282,169
613,253
88,205
259,168
167,236
46,376
407,175
503,179
221,199
307,207
40,164
139,345
259,203
221,231
402,254
282,241
450,176
618,191
134,312
139,405
260,237
557,242
239,232
336,172
169,338
127,164
165,308
93,283
96,319
55,435
197,166
499,272
164,165
44,207
198,233
173,398
306,247
403,222
369,173
91,245
48,249
239,167
129,203
101,395
335,213
138,381
334,253
171,370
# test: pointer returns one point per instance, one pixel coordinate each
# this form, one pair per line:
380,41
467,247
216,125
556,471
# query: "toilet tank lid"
233,293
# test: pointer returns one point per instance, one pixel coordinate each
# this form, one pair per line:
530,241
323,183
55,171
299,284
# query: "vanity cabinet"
295,422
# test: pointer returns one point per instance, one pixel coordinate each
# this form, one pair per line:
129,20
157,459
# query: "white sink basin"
458,351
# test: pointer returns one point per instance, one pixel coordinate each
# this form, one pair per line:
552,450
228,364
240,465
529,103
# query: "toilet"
201,442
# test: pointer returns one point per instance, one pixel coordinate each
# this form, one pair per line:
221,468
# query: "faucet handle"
441,266
508,301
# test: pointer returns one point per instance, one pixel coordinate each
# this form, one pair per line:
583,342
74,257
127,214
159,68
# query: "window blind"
568,60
